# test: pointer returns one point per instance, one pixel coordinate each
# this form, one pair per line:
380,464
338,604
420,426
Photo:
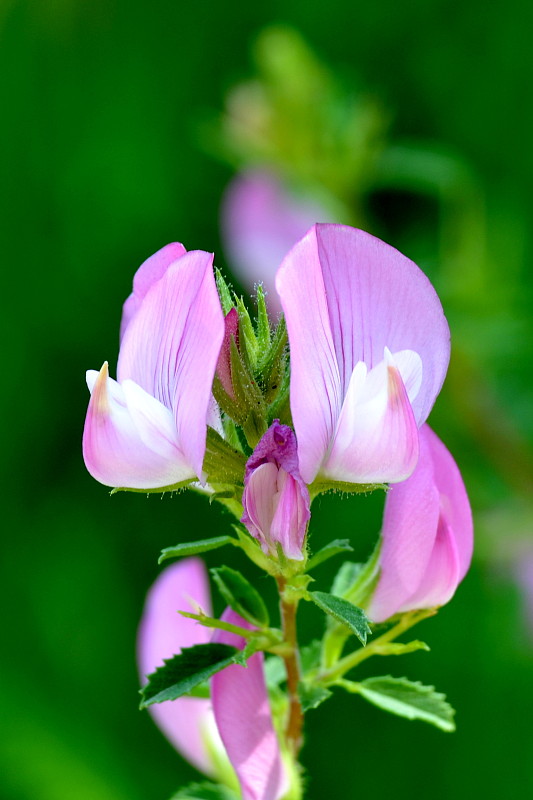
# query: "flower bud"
275,498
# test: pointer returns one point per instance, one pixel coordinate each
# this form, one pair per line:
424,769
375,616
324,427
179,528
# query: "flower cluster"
205,399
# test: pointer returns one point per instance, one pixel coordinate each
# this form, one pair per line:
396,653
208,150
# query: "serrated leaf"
331,549
343,611
312,696
240,595
183,672
409,699
205,791
192,548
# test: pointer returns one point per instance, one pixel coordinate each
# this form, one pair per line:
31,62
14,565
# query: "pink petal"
130,438
148,273
427,535
187,722
455,506
377,437
261,221
244,720
171,347
347,296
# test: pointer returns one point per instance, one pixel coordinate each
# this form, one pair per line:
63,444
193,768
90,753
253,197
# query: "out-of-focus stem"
294,729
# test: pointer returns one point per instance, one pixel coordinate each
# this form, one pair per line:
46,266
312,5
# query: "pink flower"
369,348
427,535
275,499
237,725
148,430
261,220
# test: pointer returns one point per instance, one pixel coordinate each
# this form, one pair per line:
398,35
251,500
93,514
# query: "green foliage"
331,549
241,596
399,648
408,699
205,791
312,696
192,548
183,672
344,612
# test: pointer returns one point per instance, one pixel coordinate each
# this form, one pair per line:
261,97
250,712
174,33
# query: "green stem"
350,661
294,729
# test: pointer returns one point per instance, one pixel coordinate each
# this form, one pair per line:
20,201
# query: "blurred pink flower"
427,535
148,430
275,498
244,720
237,723
369,349
261,220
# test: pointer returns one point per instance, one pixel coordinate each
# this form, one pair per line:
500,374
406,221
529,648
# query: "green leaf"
275,671
409,699
399,648
205,791
310,655
345,577
343,611
312,696
331,549
183,672
191,548
241,596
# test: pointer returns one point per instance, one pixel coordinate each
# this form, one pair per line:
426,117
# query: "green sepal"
312,696
181,673
331,549
192,548
248,397
241,596
222,462
322,485
247,338
263,323
344,612
175,487
205,791
408,699
224,293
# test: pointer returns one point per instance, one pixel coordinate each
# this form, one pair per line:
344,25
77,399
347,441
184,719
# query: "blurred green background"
100,161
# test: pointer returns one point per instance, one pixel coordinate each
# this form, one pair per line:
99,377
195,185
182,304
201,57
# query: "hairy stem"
294,729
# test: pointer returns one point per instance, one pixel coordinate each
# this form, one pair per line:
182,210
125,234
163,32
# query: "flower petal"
261,221
427,535
454,503
244,720
316,389
377,437
148,273
347,296
130,438
187,722
171,347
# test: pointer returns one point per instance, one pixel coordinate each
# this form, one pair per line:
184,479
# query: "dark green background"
99,168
